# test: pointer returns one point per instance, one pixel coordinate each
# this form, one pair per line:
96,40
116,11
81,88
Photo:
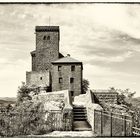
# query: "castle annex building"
50,68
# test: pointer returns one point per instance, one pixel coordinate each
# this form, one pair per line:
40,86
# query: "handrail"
112,113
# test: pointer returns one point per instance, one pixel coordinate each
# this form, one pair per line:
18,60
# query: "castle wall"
38,78
108,97
50,41
66,74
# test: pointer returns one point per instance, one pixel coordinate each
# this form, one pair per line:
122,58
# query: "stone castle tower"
49,67
47,47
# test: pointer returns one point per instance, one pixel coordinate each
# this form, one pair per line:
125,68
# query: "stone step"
79,110
75,116
75,110
79,107
82,129
80,119
79,114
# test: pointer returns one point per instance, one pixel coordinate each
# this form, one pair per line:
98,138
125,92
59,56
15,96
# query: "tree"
23,92
124,96
85,86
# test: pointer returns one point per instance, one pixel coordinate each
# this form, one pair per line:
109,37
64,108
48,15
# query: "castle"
50,69
54,72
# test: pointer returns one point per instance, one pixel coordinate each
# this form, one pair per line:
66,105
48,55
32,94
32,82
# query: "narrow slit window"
44,38
72,68
72,93
48,37
71,80
60,80
40,78
59,68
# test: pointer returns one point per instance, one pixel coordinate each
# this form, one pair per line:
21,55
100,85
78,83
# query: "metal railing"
136,131
111,124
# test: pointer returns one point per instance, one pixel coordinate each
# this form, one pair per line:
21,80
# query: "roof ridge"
67,59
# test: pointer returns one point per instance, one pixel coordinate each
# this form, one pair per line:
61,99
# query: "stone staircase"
80,119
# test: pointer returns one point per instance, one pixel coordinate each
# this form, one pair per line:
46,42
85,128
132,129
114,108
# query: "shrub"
85,86
27,118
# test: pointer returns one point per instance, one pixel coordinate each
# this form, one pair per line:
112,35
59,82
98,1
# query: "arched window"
48,37
44,38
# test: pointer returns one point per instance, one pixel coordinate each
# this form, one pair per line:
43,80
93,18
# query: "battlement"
47,28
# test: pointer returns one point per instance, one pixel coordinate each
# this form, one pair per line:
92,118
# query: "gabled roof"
67,59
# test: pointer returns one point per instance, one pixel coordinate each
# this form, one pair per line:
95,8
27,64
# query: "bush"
24,91
27,118
85,86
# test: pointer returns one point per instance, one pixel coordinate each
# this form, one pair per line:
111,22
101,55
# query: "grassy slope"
7,100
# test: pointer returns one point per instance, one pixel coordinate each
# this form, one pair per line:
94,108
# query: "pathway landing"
66,134
81,126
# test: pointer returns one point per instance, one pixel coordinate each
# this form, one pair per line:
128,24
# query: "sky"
105,37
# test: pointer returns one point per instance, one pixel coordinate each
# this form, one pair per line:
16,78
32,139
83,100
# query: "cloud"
103,77
109,59
11,76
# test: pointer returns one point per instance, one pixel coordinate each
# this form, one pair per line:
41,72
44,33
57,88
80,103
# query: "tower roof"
47,28
67,59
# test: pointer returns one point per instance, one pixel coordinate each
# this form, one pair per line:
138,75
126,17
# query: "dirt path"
66,134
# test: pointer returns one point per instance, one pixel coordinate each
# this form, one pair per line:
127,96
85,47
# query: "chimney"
68,55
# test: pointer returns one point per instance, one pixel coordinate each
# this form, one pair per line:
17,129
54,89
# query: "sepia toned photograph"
69,70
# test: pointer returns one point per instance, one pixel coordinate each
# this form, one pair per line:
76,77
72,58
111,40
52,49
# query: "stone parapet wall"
60,108
68,119
105,96
41,78
90,113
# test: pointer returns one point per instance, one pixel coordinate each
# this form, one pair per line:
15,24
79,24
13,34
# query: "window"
60,80
72,93
40,78
44,38
71,80
72,68
59,68
48,37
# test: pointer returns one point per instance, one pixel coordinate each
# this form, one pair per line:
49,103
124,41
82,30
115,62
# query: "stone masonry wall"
47,50
110,97
90,113
38,78
53,102
66,74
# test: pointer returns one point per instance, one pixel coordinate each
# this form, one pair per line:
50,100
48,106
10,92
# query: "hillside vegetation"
7,100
